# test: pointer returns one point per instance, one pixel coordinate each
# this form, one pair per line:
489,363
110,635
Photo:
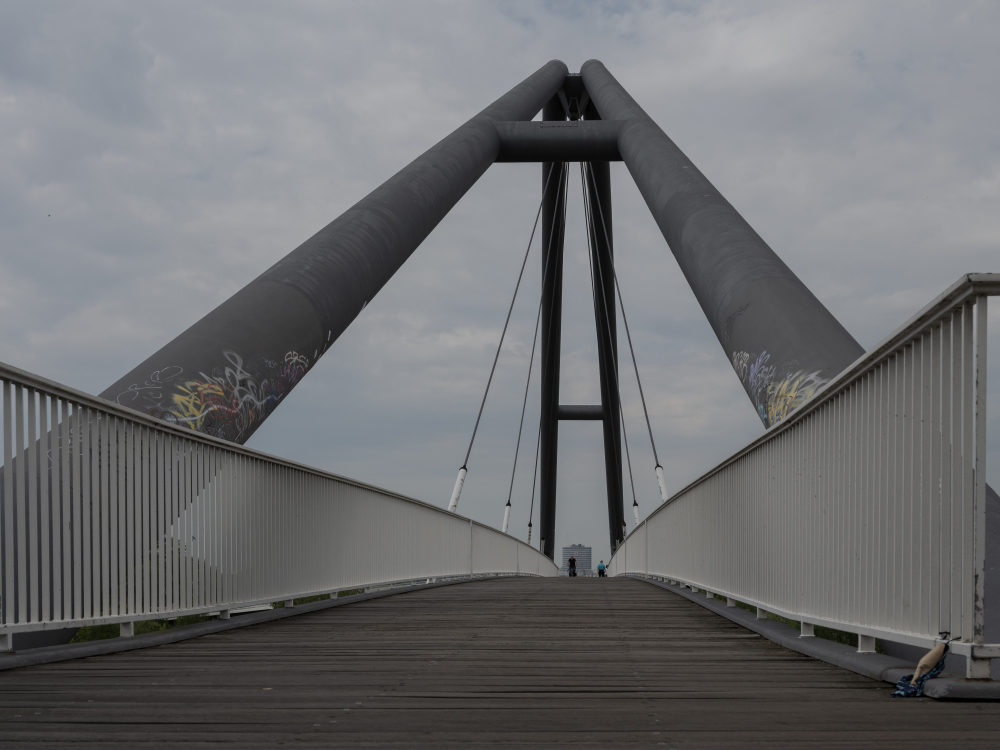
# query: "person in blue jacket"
601,569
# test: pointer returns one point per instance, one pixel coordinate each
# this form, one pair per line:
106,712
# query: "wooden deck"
579,663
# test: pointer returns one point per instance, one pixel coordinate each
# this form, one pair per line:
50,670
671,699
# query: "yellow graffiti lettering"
194,401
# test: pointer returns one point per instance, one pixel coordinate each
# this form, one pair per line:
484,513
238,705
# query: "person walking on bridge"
571,564
601,569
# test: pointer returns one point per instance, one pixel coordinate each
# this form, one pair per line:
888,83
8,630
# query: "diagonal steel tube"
781,340
230,370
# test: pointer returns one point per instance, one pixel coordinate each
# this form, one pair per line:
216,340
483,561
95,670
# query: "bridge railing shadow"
110,516
862,510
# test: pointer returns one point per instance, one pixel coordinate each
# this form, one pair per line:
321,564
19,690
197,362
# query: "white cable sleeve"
529,536
662,482
506,518
635,512
457,492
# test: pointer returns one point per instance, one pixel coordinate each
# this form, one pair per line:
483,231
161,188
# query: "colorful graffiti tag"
774,398
230,403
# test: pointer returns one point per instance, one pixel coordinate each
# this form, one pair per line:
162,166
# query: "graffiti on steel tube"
228,403
773,397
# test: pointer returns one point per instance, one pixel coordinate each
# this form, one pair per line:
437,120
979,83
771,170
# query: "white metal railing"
110,516
864,509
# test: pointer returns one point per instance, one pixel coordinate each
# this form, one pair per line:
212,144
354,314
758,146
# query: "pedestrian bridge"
863,508
544,662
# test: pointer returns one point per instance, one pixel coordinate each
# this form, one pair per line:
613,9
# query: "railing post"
472,558
866,644
730,602
224,614
126,630
8,640
979,499
808,630
289,603
761,613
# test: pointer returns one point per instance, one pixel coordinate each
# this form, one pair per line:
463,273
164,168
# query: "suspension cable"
561,224
456,493
621,302
524,405
588,218
520,428
534,478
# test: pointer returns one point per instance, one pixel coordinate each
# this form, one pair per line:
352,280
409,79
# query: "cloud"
155,158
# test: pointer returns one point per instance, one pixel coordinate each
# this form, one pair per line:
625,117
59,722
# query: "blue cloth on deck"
905,690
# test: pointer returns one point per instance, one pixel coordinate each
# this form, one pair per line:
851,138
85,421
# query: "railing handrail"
968,286
52,388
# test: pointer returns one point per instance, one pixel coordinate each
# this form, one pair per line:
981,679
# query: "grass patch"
317,598
303,600
103,632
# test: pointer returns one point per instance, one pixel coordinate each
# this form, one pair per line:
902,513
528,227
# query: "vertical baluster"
149,519
934,475
131,525
219,537
869,558
10,566
955,578
864,558
122,476
117,538
818,520
208,531
267,553
83,493
888,484
247,490
92,456
908,489
21,508
76,500
945,441
65,517
857,527
239,505
902,498
45,505
162,522
846,538
184,499
176,568
180,522
190,522
225,528
104,537
926,512
34,501
878,496
196,526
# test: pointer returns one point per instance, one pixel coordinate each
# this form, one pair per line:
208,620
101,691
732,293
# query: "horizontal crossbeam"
576,140
580,412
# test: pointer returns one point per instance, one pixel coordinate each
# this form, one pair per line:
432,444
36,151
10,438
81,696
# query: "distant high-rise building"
582,555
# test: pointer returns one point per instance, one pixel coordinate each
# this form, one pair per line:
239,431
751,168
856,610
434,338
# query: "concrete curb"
876,666
49,654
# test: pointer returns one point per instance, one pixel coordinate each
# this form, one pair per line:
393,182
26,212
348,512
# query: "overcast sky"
156,157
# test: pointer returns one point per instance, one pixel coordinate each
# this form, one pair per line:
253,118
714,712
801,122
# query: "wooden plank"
541,662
